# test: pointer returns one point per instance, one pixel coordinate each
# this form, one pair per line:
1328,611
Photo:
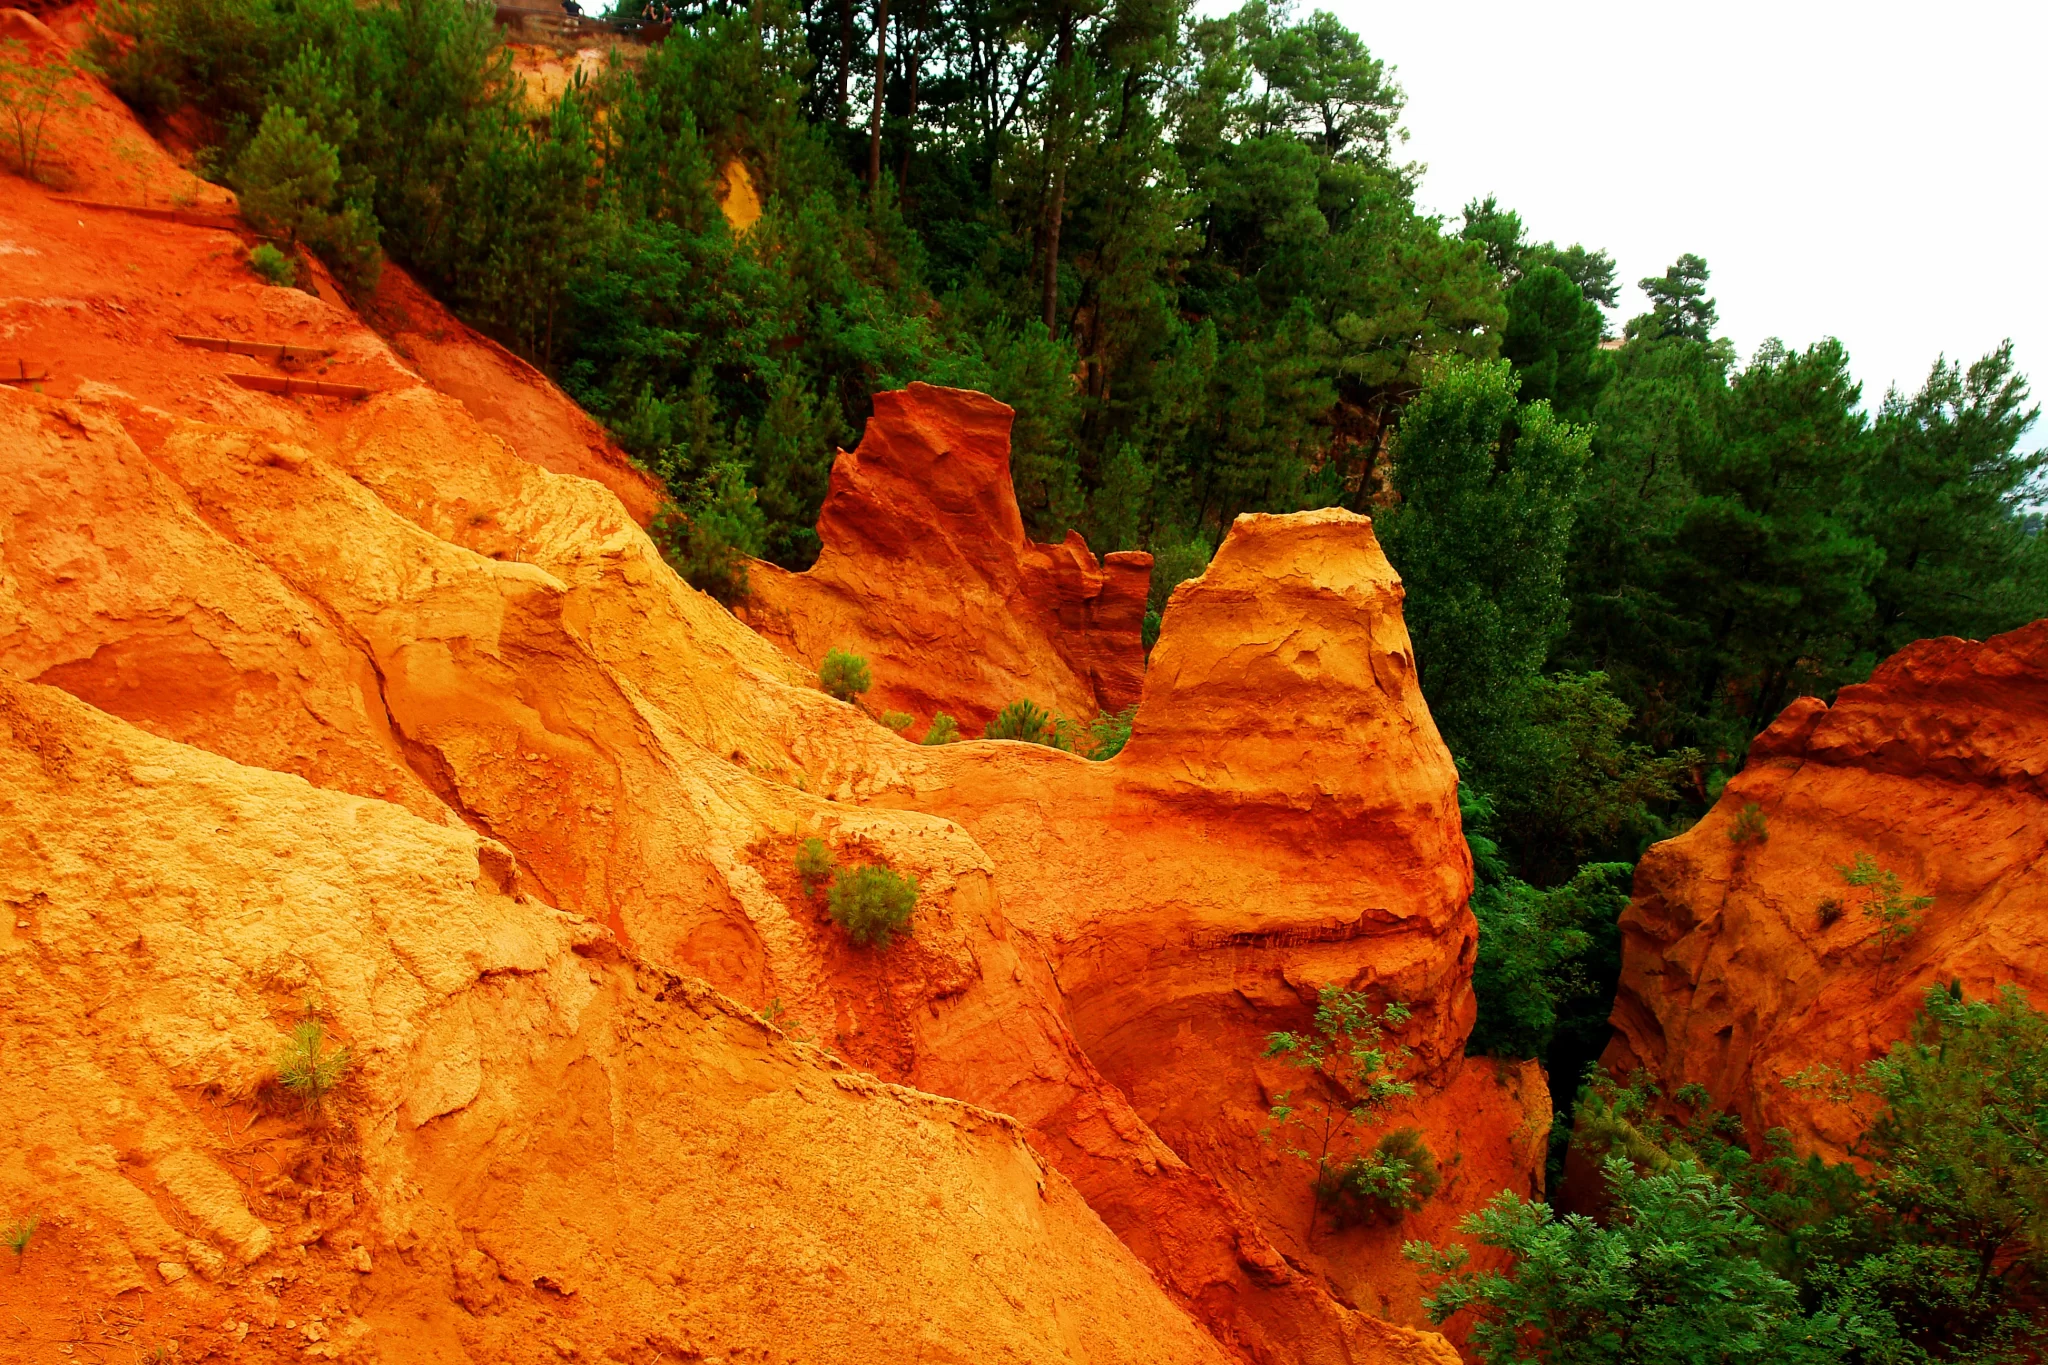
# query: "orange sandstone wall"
926,571
1937,768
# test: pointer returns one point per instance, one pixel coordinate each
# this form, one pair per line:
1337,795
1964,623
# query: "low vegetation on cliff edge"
1932,1246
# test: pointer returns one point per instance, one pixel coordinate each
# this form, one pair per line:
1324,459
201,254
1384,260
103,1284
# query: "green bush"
1885,902
1026,721
1399,1177
844,674
1750,826
813,863
943,730
1108,734
899,721
274,266
871,903
307,1067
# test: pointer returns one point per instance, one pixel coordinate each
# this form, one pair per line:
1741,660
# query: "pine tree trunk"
1056,205
845,53
875,122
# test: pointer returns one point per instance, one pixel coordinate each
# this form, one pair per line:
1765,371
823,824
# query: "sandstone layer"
1733,976
924,569
411,645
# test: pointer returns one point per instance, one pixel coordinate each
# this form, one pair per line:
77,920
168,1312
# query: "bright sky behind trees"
1875,171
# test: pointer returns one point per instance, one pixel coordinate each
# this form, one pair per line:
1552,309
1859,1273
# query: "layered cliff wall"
1747,959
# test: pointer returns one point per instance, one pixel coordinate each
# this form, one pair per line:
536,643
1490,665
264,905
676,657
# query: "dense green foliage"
1936,1251
872,903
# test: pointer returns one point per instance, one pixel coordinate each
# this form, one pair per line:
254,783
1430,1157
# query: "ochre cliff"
1284,818
925,570
1937,768
387,704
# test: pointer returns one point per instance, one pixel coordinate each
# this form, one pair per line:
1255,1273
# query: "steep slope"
542,1149
925,570
1937,768
405,608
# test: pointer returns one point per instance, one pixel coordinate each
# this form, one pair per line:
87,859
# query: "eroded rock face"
1283,819
925,570
542,1146
1937,768
390,611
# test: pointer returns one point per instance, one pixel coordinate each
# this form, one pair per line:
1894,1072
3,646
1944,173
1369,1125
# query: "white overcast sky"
1876,172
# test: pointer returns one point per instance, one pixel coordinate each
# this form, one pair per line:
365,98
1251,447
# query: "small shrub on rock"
1399,1177
307,1067
1109,733
1029,722
1750,827
898,721
872,903
944,730
813,863
17,1234
274,266
844,674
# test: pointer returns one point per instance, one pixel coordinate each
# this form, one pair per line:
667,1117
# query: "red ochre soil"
389,709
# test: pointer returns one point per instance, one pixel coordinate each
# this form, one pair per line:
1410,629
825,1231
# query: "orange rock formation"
926,571
388,706
1938,769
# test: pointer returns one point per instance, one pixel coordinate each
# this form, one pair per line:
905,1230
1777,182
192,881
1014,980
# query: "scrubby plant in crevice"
274,266
1385,1185
1108,733
943,730
1023,720
898,721
844,674
872,903
1353,1078
1884,902
1750,827
308,1067
814,864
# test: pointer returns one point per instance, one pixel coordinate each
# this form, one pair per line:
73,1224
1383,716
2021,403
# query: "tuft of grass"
899,721
872,903
274,266
813,863
1829,911
307,1067
944,730
17,1234
1750,826
844,674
